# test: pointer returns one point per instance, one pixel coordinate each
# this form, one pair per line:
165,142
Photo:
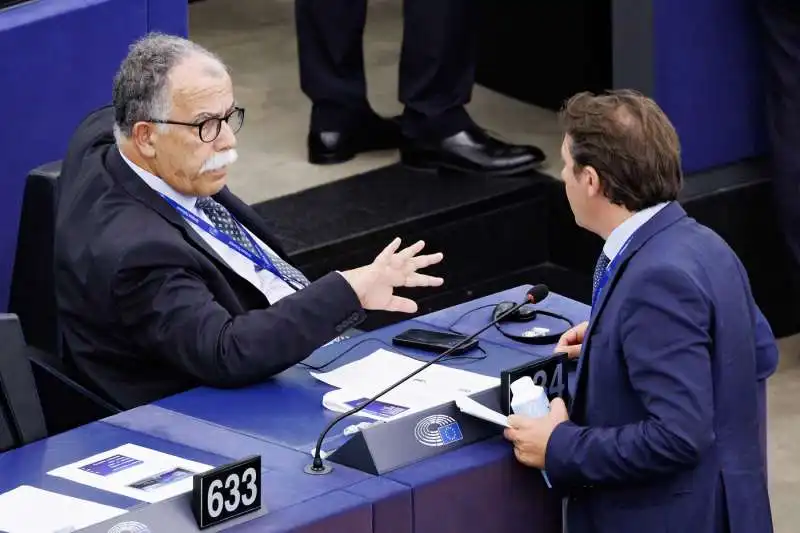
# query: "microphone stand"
319,467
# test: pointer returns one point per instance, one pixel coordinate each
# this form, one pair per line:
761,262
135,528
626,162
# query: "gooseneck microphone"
536,294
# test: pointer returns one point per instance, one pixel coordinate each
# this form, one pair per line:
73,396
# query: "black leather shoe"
374,133
472,151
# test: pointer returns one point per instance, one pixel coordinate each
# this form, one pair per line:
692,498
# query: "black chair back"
65,398
33,294
21,417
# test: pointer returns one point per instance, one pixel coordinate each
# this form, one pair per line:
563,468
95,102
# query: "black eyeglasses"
209,128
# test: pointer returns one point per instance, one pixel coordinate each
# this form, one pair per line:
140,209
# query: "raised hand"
375,283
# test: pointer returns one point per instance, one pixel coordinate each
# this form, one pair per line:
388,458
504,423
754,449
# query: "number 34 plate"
227,492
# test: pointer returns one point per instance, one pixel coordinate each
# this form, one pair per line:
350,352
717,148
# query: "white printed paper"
367,377
478,410
134,471
28,509
343,400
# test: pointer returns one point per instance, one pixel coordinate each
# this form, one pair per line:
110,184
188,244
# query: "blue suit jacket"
663,432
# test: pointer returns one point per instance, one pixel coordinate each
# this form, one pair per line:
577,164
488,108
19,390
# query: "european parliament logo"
437,430
130,527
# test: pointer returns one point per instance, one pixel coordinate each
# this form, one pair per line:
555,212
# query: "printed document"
134,471
362,379
28,509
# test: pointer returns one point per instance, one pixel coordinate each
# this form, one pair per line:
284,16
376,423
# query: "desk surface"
471,316
344,496
270,410
479,487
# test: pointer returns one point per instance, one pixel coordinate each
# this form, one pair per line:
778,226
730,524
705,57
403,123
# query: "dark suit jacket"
147,308
663,433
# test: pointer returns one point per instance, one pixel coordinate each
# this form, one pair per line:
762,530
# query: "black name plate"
550,373
227,492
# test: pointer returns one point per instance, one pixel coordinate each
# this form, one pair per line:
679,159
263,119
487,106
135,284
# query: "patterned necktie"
223,220
599,270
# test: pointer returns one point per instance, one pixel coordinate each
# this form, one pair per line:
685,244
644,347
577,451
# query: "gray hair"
141,88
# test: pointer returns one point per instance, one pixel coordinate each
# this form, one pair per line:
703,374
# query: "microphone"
536,294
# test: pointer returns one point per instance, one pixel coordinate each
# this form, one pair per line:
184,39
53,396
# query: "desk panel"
393,507
480,488
335,512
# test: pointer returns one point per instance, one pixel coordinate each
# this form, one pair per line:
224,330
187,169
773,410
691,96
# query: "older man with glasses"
165,280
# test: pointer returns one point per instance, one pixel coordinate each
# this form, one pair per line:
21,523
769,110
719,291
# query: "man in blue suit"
662,432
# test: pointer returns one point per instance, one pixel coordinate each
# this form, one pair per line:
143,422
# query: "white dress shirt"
273,287
619,237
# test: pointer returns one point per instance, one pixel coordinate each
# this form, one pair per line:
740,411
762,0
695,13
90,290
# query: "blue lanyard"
261,260
608,271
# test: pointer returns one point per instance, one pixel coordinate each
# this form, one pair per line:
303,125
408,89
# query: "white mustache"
220,160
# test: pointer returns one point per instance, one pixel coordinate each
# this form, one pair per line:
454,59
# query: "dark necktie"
224,222
599,270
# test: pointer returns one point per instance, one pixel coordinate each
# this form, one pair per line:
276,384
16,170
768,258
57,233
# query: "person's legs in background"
781,31
330,49
437,73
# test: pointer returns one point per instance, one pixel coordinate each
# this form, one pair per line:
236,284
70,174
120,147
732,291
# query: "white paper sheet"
343,400
366,377
134,471
31,510
471,407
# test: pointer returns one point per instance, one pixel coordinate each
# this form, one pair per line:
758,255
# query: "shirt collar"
619,237
161,186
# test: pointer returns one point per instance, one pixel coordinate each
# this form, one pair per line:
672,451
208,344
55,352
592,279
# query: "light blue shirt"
624,231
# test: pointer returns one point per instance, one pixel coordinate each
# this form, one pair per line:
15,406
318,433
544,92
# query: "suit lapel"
136,187
663,219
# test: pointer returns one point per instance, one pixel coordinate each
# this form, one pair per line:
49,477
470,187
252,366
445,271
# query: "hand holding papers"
527,399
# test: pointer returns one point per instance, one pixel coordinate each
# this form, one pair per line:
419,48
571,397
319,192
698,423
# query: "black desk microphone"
536,294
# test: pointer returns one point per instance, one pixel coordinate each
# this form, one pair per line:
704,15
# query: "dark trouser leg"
329,42
781,22
437,72
437,66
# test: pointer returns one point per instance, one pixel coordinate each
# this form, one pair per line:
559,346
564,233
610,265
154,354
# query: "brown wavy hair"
631,144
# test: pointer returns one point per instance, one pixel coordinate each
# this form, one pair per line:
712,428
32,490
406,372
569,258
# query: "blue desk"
271,410
345,500
471,316
478,488
284,484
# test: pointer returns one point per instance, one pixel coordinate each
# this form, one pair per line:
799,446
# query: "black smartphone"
433,341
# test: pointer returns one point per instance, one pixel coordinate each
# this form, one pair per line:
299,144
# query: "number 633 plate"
227,492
